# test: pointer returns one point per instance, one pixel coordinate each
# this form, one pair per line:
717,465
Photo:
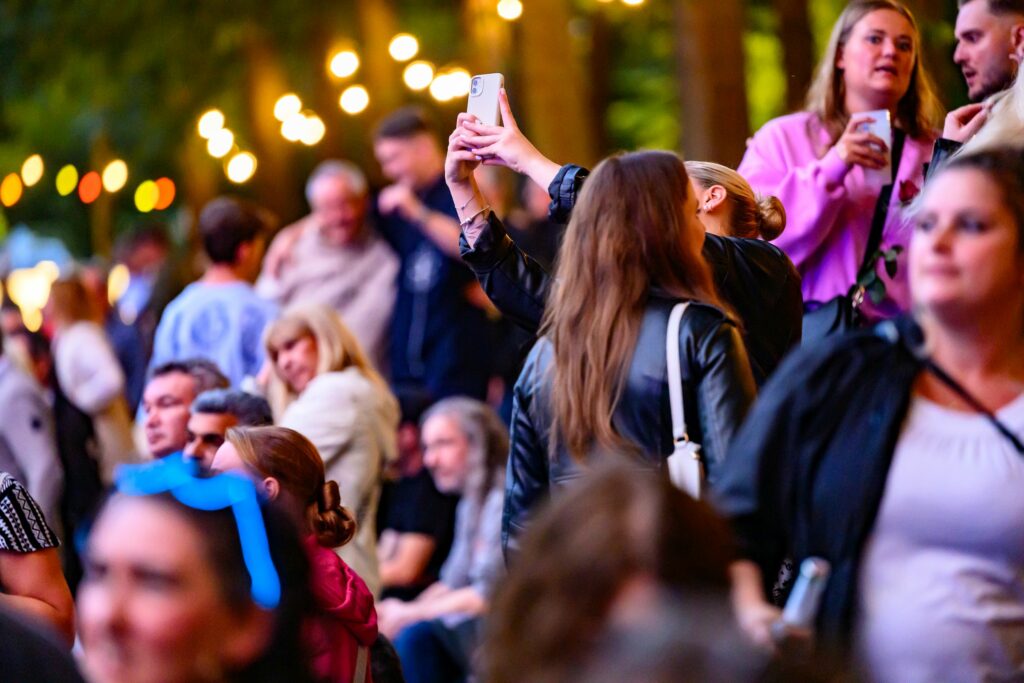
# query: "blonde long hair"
336,346
629,232
919,111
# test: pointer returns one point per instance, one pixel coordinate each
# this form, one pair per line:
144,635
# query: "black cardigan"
805,474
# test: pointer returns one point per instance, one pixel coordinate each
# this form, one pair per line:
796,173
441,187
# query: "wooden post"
712,82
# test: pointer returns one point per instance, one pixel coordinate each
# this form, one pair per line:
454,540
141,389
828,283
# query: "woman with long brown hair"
290,471
829,169
596,384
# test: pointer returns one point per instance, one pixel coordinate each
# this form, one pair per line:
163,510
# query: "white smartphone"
483,98
880,127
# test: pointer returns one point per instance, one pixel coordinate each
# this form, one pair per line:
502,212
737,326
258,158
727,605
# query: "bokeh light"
210,123
354,100
459,80
166,189
146,196
293,127
439,88
29,288
89,187
344,63
67,180
418,75
403,47
32,170
241,167
10,190
287,105
510,10
633,3
220,143
118,281
313,131
115,175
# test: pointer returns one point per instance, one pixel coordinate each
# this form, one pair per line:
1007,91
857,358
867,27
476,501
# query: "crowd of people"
420,436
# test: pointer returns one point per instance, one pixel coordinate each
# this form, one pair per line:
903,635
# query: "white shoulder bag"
685,468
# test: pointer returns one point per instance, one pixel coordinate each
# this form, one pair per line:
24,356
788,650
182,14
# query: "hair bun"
771,217
333,524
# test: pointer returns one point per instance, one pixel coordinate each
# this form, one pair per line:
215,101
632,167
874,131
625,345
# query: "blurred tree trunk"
553,103
101,211
938,44
490,37
378,24
797,49
600,68
709,40
265,82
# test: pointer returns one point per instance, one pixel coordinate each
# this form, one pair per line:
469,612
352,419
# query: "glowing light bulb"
115,175
117,282
220,143
313,131
344,63
287,105
241,168
67,180
403,47
418,75
440,88
510,10
210,123
166,189
354,100
32,170
89,187
146,196
459,81
10,190
293,127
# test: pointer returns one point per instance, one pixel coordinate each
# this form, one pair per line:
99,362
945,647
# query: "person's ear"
248,638
271,488
714,197
1017,43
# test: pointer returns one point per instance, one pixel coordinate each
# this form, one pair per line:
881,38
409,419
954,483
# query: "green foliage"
766,78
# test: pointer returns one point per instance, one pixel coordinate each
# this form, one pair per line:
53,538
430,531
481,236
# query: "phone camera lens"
476,86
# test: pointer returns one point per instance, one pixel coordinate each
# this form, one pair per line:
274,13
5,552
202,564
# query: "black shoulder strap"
960,391
882,205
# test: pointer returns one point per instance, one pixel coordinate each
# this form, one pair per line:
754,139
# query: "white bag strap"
362,662
675,377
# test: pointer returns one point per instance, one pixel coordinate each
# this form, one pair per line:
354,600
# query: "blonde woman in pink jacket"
824,164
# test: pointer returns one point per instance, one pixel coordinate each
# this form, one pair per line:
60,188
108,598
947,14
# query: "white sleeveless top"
941,593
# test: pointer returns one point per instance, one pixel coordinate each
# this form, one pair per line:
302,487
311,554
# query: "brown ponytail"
333,524
771,217
294,462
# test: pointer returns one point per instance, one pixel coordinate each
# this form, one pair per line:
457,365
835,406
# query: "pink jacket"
345,620
829,205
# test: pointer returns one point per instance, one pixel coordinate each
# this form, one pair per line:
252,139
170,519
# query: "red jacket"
345,618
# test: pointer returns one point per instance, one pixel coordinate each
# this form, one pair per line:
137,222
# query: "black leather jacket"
755,277
717,391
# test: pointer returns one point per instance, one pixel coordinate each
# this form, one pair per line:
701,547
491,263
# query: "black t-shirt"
414,505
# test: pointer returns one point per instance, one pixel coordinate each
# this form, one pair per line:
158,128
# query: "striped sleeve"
23,528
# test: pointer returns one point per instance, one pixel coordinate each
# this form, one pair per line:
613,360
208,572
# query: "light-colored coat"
353,423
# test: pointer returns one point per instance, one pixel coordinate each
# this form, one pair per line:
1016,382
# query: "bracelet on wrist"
469,220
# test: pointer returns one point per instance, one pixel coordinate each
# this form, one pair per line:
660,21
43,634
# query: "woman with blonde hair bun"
324,387
729,207
289,470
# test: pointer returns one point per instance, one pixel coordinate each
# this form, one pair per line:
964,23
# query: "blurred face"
965,258
296,362
691,209
149,607
446,453
409,161
877,60
227,459
983,48
206,434
166,402
340,211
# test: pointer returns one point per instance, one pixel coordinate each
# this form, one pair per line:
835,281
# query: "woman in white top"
89,374
896,455
324,387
